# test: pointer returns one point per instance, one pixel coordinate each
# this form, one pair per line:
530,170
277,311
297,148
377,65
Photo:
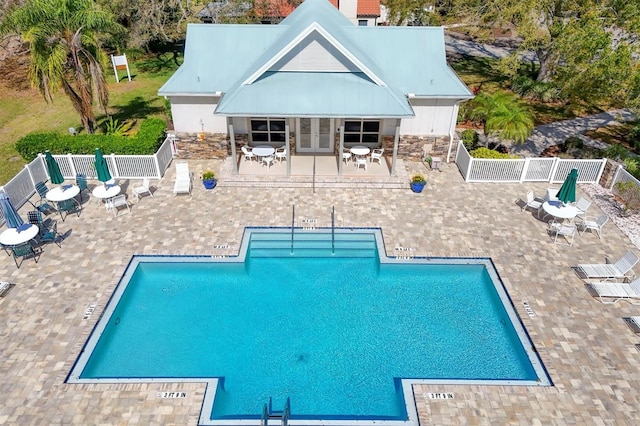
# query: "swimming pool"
340,330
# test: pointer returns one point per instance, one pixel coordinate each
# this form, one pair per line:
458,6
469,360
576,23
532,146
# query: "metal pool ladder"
269,413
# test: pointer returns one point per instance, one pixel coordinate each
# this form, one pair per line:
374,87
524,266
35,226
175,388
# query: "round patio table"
104,192
263,150
559,210
11,236
360,150
62,193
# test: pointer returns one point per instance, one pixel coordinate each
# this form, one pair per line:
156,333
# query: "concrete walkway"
556,133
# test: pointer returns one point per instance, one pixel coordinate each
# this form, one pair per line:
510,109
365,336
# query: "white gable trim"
297,40
314,54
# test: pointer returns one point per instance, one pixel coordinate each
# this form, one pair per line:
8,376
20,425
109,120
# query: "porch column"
232,141
340,161
287,145
396,141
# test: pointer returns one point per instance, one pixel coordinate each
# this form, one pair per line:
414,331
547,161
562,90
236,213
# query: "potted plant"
209,179
418,182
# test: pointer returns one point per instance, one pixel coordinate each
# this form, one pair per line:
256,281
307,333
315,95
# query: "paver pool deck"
587,348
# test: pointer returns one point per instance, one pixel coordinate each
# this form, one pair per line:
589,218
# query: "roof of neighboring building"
368,8
254,66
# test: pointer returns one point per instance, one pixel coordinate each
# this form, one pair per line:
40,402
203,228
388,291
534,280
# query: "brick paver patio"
588,350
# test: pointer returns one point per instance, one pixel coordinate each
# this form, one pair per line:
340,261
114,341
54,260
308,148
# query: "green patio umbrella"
11,216
567,192
101,167
53,169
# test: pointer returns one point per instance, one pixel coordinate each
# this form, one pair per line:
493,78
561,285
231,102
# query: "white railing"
623,176
22,186
552,170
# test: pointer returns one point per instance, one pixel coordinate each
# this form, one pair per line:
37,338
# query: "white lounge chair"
610,293
633,323
609,271
183,179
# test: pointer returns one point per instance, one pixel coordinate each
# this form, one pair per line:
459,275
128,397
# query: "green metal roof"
391,63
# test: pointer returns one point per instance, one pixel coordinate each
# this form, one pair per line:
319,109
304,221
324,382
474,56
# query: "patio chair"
533,202
593,225
66,207
633,323
610,293
267,161
376,155
361,161
609,271
142,188
248,155
582,205
24,251
566,231
281,154
118,201
42,189
346,156
51,235
81,181
35,218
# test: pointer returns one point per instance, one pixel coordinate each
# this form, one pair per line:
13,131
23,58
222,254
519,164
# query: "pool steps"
313,244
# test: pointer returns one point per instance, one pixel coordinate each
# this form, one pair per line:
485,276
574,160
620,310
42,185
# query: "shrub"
630,194
483,152
418,178
634,137
470,139
208,175
573,142
145,142
616,152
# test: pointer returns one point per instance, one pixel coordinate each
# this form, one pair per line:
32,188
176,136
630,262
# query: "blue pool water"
332,333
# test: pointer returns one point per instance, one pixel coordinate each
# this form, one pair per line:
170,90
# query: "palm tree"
513,122
503,114
65,50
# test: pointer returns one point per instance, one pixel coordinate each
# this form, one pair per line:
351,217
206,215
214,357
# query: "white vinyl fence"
623,176
552,170
22,186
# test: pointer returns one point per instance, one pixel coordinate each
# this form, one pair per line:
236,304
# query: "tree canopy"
63,37
588,48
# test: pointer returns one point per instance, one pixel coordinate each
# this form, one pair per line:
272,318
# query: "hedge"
145,142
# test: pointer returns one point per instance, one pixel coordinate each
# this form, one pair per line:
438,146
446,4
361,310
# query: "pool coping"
407,384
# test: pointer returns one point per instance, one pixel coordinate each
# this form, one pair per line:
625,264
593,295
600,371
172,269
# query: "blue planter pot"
417,187
210,183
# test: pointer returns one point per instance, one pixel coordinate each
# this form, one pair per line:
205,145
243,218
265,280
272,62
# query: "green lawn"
24,111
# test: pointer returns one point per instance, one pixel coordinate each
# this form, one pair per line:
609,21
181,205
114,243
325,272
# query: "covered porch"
318,165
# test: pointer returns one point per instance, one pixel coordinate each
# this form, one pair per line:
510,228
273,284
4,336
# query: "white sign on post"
120,63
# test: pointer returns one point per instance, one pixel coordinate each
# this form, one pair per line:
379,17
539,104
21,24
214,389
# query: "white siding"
433,117
314,53
193,114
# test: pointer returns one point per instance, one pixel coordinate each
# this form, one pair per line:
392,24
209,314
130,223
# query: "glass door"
314,135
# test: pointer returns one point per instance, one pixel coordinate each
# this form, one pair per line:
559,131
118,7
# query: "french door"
314,135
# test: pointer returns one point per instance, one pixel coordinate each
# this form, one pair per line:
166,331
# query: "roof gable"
315,63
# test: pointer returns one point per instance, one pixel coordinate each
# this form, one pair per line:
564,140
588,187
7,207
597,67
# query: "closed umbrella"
11,216
54,170
567,192
101,167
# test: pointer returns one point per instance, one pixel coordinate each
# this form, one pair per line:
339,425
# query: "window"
362,22
268,130
362,132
